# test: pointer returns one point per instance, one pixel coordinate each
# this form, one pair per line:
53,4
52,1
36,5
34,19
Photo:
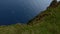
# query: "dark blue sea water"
20,11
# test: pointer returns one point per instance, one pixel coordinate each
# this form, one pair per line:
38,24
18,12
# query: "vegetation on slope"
48,22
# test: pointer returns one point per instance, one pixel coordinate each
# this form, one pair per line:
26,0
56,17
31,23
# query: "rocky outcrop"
54,4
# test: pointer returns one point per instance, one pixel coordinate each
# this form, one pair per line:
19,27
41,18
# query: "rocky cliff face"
54,4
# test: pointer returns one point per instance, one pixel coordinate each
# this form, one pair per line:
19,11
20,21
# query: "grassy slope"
47,25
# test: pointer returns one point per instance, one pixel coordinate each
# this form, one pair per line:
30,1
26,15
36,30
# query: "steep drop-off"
46,13
47,22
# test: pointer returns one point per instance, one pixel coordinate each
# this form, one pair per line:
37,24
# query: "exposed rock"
54,4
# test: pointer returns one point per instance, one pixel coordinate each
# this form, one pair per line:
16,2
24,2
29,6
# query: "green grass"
47,25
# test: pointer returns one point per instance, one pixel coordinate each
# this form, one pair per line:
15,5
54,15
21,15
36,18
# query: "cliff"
40,16
47,22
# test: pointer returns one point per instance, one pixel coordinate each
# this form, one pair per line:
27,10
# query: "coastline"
44,13
47,22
